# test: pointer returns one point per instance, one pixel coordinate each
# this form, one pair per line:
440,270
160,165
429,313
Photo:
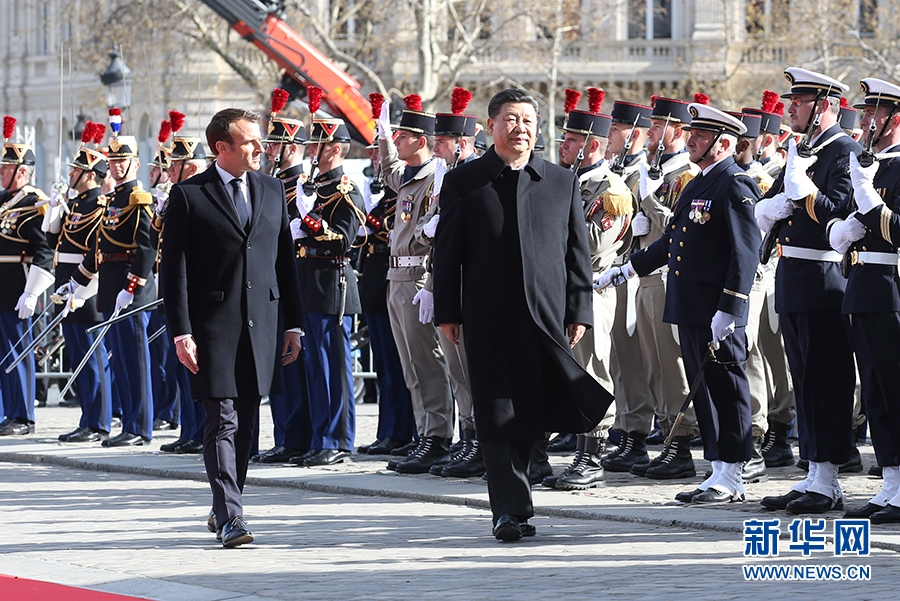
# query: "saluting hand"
186,349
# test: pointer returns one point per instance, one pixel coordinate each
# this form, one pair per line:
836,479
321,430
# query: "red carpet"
22,589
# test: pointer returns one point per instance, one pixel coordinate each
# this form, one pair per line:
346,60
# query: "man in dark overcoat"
227,258
512,263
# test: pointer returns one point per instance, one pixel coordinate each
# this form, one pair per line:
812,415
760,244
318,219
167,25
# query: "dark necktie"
240,203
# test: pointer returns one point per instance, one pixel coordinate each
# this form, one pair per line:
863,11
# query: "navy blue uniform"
808,295
711,247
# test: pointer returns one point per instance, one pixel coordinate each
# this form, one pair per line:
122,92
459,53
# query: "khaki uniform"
424,366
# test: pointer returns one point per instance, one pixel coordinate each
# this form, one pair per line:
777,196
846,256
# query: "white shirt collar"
227,177
709,168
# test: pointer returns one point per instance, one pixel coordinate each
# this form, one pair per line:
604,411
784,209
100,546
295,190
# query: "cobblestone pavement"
132,521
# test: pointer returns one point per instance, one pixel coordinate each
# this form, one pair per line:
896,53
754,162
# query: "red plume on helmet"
595,99
413,102
165,129
99,132
700,98
279,100
653,100
176,120
459,100
572,98
844,102
376,100
87,134
314,98
9,127
768,101
779,108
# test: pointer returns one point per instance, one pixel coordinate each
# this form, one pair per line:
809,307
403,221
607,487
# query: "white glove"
56,197
844,233
66,289
369,199
430,228
425,300
384,121
778,207
78,294
614,276
26,305
722,327
440,170
864,193
647,186
162,198
305,203
52,221
124,299
797,184
362,232
296,231
640,225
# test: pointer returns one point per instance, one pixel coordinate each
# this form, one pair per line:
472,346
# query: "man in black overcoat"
512,263
227,258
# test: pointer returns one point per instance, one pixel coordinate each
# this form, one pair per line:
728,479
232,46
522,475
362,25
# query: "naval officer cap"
706,117
879,92
804,81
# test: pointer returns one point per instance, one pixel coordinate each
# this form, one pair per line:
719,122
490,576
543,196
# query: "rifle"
580,158
655,170
618,166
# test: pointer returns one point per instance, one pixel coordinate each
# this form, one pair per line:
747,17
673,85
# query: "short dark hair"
514,95
219,128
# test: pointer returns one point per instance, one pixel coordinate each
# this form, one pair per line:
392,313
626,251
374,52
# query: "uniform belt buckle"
302,252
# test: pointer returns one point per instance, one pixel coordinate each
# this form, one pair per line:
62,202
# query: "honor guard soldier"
658,190
330,212
847,119
634,399
122,255
408,166
290,409
26,263
711,246
481,140
809,287
75,231
770,112
454,143
872,297
608,206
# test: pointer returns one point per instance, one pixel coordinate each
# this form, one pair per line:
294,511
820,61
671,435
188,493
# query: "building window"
649,19
868,17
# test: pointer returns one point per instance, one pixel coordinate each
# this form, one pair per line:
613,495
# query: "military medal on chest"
8,223
406,208
111,221
700,210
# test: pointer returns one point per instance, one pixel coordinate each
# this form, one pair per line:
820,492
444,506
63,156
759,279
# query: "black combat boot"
776,448
588,473
550,481
434,450
755,470
631,451
678,462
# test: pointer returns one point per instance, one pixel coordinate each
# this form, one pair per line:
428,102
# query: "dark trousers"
17,387
819,351
290,408
332,411
395,417
227,441
875,339
509,489
722,403
94,382
130,365
163,359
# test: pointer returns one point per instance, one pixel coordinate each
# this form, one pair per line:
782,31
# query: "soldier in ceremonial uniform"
847,118
771,112
608,206
809,287
76,230
711,246
634,398
26,262
285,150
872,296
122,255
658,192
408,166
330,210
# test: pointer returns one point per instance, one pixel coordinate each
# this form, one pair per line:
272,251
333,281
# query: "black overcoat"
512,265
222,283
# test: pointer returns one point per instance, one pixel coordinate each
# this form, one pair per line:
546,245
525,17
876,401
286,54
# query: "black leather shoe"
235,533
70,402
17,428
755,470
889,515
507,529
632,450
362,450
712,496
563,443
172,447
781,502
164,424
405,450
116,422
678,462
876,471
803,464
813,502
125,439
687,496
385,446
211,521
327,457
191,447
433,449
527,529
87,435
588,473
863,512
640,469
66,437
279,454
299,459
539,471
854,464
777,445
655,437
469,465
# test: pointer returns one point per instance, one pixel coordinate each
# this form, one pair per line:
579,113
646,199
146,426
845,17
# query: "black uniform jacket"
512,265
21,242
79,229
222,281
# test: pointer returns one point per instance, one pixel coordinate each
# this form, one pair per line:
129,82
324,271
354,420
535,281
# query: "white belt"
810,254
14,259
76,258
397,261
877,258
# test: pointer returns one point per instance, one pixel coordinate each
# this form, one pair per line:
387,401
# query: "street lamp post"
117,78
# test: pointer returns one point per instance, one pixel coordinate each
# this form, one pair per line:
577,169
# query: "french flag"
115,120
